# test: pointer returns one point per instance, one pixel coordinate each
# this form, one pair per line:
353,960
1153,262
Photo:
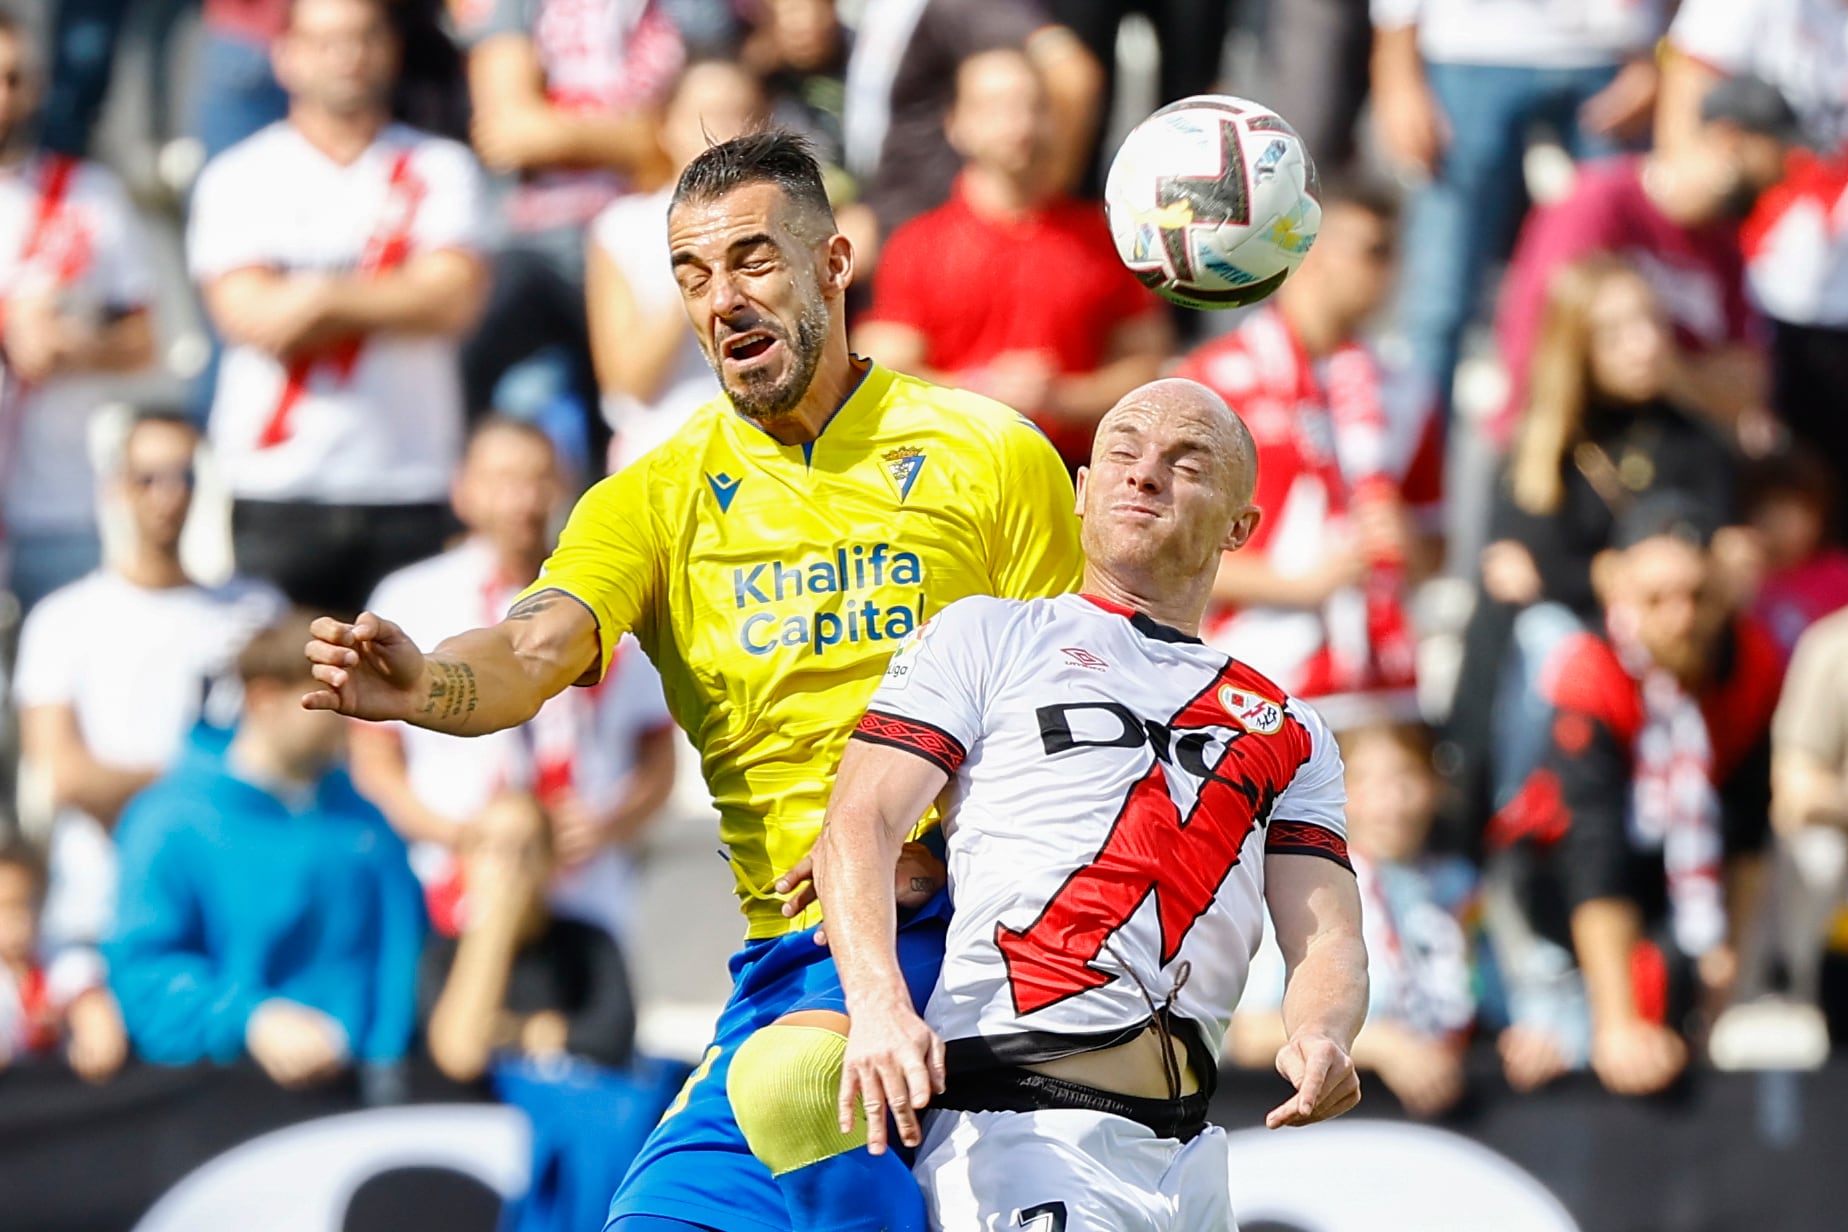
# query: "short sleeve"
51,656
1721,34
222,233
1033,552
1310,817
931,700
609,559
1394,14
453,213
1812,715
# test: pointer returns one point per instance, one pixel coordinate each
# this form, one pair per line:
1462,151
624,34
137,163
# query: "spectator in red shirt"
1629,851
1011,288
1674,216
1351,481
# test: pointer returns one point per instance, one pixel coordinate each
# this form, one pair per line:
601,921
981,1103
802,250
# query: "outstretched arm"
893,1059
1315,905
476,682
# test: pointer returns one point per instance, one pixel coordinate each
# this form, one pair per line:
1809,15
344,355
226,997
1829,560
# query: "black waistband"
1013,1089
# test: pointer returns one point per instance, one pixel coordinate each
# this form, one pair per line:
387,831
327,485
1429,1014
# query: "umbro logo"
1085,659
724,487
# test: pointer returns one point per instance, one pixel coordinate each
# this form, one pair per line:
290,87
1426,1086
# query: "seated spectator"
518,978
267,908
114,670
598,760
1674,216
43,1006
76,290
902,78
1790,504
962,293
799,50
337,256
1809,797
1351,481
1420,1000
650,367
1623,870
567,99
1599,432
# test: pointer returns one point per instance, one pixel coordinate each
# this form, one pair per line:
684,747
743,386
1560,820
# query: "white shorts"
1069,1171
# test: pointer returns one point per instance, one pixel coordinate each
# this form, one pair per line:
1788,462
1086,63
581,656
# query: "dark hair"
1363,193
277,653
772,156
15,850
1791,475
499,421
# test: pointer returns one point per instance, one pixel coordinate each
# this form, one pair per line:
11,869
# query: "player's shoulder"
958,414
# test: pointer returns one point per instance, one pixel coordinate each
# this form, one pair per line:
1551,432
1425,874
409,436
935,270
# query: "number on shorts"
1046,1217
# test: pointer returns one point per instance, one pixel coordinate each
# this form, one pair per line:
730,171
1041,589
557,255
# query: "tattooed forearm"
453,693
532,605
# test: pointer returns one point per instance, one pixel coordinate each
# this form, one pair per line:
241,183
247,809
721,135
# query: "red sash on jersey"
65,263
1362,434
386,249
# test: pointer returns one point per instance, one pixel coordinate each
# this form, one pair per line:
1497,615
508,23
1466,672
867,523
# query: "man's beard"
762,397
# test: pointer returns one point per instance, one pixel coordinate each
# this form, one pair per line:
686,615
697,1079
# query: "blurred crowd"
1552,448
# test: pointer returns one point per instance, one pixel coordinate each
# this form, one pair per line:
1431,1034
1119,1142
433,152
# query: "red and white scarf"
1673,803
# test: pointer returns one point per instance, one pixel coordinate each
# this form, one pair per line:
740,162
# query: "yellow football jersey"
769,583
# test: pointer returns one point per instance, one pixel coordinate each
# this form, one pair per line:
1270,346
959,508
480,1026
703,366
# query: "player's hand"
1326,1082
894,1064
371,670
296,1045
1637,1057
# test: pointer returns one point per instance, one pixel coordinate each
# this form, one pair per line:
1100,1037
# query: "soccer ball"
1213,201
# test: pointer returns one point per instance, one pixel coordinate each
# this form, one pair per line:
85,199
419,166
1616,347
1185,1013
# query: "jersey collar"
1141,622
867,394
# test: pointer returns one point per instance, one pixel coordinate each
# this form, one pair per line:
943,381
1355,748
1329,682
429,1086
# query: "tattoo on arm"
452,690
532,605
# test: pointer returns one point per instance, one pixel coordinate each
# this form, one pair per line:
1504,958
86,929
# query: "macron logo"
724,487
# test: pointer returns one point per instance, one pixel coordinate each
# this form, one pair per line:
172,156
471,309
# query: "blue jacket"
228,898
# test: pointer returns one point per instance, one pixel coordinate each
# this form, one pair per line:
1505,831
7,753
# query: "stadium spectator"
235,91
115,668
1456,86
45,1005
1599,432
1351,481
1316,74
650,368
1623,870
519,979
337,255
962,296
74,292
1794,247
599,761
1190,37
567,97
901,82
1674,215
1802,576
266,907
1809,796
799,49
1420,1000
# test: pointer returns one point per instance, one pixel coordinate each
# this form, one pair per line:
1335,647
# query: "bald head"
1201,414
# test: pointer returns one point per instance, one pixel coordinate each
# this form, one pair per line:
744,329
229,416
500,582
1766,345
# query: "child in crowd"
44,1005
1790,506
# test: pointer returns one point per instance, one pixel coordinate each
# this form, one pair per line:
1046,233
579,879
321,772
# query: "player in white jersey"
1123,803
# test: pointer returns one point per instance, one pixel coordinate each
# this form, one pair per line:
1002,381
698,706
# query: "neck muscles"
1139,594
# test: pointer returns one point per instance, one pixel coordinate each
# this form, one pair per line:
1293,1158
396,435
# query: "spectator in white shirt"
338,255
650,368
598,760
74,288
114,670
1457,84
1796,252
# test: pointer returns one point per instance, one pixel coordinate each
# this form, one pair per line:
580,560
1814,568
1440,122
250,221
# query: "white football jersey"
1115,788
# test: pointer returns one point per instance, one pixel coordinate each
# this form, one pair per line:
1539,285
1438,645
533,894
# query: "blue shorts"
696,1166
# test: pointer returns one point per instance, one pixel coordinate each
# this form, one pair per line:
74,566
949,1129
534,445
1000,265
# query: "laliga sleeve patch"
904,659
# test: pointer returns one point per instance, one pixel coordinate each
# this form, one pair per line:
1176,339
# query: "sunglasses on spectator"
180,477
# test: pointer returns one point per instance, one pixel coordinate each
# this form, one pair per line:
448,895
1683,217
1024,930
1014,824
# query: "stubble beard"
764,398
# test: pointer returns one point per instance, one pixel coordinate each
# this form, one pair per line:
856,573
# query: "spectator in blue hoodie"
265,907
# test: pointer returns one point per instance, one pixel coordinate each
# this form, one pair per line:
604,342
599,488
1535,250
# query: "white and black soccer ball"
1213,201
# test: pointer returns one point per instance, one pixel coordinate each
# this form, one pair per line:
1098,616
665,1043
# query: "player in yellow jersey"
768,557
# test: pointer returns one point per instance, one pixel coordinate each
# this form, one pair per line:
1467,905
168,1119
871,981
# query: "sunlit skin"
1663,595
762,288
507,491
1630,346
157,480
1168,489
1391,796
338,55
19,93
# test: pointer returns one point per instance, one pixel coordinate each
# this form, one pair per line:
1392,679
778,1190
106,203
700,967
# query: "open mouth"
742,348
